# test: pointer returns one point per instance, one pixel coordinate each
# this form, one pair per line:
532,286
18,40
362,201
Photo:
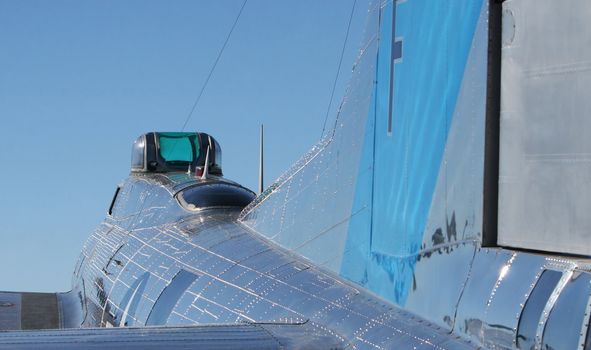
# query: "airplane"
446,209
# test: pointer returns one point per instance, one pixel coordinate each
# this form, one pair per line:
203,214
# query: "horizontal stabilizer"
28,311
233,336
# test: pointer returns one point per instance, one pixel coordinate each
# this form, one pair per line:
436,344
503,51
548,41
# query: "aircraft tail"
403,194
402,174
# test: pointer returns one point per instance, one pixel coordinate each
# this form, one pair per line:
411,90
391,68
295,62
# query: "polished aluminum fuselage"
385,234
131,262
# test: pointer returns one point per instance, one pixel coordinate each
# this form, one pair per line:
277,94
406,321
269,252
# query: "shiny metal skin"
378,204
373,240
236,336
238,276
545,150
393,199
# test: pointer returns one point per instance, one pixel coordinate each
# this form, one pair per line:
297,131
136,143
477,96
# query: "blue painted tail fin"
401,176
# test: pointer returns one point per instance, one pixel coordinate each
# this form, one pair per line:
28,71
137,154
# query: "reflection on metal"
321,186
234,336
131,299
169,297
363,213
446,266
506,302
536,301
374,205
185,268
407,223
565,327
540,331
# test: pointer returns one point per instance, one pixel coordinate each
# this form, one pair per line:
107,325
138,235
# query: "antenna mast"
206,167
261,180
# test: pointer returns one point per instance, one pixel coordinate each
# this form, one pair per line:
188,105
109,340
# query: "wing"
234,336
29,311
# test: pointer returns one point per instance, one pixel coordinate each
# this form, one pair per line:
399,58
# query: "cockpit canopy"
161,152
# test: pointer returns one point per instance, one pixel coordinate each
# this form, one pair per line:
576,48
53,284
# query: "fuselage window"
129,200
215,195
563,328
114,200
528,322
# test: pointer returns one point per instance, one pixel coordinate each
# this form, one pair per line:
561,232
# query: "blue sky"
79,81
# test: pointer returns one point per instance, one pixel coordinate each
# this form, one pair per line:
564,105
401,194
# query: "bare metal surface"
346,205
545,152
239,277
477,295
240,336
10,311
275,275
39,311
321,185
514,282
441,272
29,311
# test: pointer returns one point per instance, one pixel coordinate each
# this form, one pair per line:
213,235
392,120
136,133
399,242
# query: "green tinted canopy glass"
179,146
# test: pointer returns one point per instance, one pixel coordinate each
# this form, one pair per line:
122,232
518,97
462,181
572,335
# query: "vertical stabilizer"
401,176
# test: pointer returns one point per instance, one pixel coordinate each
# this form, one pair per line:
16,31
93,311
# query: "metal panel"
533,308
244,336
424,198
440,272
235,276
545,149
568,320
10,311
404,162
487,271
507,298
169,297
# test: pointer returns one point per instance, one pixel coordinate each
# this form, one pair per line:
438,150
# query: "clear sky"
80,80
